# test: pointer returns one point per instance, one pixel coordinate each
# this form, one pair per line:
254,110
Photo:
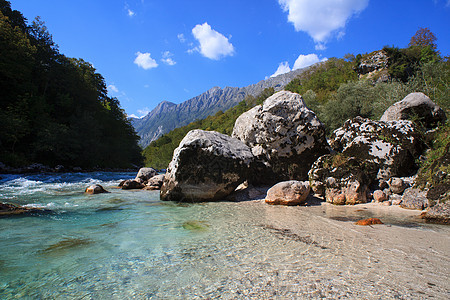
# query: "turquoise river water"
131,245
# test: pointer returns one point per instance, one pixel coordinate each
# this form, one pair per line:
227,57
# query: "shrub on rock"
206,166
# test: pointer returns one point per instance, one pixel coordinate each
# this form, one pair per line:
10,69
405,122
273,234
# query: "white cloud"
304,61
181,38
144,61
213,44
131,13
143,112
167,58
321,18
282,68
112,88
132,116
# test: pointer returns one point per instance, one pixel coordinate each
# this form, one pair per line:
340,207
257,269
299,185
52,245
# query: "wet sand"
403,258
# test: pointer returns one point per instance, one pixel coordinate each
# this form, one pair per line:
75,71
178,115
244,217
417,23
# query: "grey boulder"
206,166
416,106
145,174
393,146
413,198
285,137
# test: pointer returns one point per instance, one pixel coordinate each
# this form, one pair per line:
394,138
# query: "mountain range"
167,116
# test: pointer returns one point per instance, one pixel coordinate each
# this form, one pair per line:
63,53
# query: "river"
131,245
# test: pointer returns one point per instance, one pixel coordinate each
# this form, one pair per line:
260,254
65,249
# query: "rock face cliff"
168,116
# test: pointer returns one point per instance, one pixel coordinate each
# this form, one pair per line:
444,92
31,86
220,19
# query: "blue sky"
154,50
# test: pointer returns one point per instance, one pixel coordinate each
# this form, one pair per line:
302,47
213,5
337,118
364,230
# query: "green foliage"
55,109
434,174
324,79
159,153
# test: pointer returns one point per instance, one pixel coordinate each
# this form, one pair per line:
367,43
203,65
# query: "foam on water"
130,245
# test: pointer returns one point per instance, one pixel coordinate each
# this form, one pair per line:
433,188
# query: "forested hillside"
363,85
54,109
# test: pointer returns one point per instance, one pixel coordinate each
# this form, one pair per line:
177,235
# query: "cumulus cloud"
113,88
304,61
167,58
131,13
213,44
321,18
181,38
282,68
132,116
143,112
145,61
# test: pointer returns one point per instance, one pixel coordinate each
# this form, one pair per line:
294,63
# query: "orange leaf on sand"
370,221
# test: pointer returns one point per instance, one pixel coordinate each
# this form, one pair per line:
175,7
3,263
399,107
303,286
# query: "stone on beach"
291,192
440,214
95,189
370,221
397,185
379,196
342,180
284,135
206,166
414,199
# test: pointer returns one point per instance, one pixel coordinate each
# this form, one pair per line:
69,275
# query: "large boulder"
284,135
342,180
394,145
206,166
291,192
416,106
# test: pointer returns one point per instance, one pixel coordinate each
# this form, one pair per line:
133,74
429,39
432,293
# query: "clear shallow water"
130,245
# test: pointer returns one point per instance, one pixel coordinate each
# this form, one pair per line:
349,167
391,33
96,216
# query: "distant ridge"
167,116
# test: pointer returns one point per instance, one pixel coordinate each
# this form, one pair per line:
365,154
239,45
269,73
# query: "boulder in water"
95,189
131,185
145,174
206,166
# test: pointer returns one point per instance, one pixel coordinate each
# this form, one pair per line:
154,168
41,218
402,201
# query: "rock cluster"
146,178
282,141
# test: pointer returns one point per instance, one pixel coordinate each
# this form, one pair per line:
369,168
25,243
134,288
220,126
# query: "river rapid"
131,245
